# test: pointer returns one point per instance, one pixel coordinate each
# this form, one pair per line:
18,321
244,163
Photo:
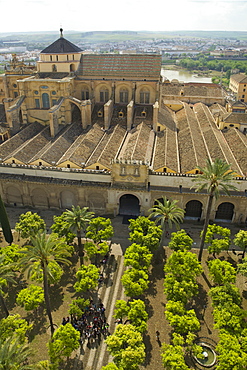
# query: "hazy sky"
108,15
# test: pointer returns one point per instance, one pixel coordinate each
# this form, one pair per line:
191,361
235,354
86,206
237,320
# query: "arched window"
45,100
224,212
85,94
72,68
129,205
104,95
123,96
193,210
144,96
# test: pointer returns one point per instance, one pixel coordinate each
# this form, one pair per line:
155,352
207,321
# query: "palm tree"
215,177
167,213
6,276
78,218
13,355
42,251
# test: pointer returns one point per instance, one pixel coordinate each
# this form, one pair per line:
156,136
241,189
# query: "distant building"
238,85
194,92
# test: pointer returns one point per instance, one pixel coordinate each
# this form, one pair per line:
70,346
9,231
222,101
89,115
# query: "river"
184,76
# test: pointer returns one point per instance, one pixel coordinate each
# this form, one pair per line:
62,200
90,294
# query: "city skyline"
43,15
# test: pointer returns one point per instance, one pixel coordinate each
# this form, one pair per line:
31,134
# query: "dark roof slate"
122,65
61,46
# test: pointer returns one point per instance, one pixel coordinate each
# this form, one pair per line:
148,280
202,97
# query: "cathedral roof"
188,138
124,65
61,46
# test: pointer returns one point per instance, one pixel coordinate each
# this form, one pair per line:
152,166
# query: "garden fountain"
208,358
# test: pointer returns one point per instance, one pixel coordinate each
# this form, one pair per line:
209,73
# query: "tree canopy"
78,218
99,228
134,311
180,240
14,354
87,278
138,256
144,232
64,341
42,252
30,224
167,213
218,238
134,282
31,297
240,240
127,347
221,272
14,324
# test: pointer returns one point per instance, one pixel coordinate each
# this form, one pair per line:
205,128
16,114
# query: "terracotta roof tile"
124,65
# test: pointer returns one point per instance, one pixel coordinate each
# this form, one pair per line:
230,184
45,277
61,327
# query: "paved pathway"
96,356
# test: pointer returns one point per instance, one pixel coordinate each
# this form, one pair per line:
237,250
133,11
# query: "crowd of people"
92,325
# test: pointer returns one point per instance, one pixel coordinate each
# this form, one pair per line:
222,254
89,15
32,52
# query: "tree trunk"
4,305
80,247
47,299
79,238
205,226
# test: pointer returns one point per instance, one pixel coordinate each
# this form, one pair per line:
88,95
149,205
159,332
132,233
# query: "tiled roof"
190,136
217,109
3,129
108,147
85,146
52,75
238,144
239,104
234,117
122,65
187,137
137,144
191,89
61,46
24,153
55,149
165,150
214,138
28,132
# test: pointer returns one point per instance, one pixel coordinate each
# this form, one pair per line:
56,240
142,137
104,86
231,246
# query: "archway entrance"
224,212
14,196
129,205
75,113
161,200
193,210
67,199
